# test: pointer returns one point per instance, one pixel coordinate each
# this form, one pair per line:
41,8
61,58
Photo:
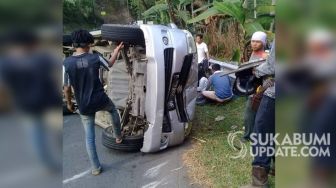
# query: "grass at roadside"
209,159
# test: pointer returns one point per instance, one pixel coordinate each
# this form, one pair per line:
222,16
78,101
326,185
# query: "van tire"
129,143
67,40
128,34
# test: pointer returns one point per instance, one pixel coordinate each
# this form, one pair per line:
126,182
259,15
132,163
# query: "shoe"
97,171
119,140
259,178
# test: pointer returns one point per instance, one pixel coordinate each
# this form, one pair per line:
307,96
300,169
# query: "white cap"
260,36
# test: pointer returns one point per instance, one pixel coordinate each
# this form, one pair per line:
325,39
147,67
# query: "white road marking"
176,169
155,184
76,177
154,171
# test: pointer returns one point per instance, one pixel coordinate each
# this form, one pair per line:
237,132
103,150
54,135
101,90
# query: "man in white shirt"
203,64
202,49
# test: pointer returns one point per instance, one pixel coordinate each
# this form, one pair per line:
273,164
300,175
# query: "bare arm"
67,91
206,51
67,94
208,55
115,53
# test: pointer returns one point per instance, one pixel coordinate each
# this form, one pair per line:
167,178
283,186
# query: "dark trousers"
202,69
249,118
264,124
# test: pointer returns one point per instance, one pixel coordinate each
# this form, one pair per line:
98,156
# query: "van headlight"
190,42
165,40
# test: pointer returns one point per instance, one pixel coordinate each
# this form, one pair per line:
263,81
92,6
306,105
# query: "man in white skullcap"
264,125
258,44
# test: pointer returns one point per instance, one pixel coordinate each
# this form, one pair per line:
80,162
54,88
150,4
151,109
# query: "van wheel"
129,143
67,41
123,33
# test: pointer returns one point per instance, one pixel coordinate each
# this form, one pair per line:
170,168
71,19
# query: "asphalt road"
121,170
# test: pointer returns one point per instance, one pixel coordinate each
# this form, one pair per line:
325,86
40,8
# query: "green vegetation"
214,167
80,14
227,25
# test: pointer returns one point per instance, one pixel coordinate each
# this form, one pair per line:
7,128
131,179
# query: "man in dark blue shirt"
220,84
82,73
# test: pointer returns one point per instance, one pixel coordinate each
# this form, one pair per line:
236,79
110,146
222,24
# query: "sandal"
119,140
97,171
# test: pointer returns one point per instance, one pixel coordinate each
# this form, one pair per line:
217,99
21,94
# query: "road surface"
121,170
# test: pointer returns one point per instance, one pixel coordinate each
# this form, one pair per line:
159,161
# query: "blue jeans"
264,124
89,127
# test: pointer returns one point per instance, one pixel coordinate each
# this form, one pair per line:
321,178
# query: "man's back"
83,72
221,85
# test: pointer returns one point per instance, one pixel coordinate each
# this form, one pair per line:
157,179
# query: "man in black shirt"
82,73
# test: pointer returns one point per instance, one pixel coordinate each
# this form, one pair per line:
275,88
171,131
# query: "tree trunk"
144,4
172,14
